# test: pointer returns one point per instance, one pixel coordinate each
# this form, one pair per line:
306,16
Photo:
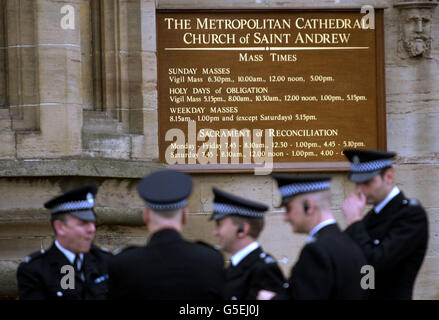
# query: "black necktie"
78,268
76,263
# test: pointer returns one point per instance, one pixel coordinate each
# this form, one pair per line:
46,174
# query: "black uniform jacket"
39,276
257,271
328,268
167,268
394,242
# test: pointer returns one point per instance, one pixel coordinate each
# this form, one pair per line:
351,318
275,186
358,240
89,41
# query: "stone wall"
81,105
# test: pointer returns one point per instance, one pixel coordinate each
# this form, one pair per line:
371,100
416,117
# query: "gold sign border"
339,166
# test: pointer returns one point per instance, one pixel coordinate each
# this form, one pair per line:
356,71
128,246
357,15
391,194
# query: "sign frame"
317,166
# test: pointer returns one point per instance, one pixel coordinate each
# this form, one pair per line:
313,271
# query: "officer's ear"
243,230
58,226
389,175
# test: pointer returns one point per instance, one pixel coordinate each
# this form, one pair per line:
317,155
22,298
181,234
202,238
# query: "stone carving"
415,28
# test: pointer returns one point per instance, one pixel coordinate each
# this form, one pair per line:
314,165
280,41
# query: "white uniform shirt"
317,228
244,252
392,194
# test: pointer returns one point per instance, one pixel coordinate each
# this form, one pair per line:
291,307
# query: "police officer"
394,234
329,265
168,267
43,275
238,223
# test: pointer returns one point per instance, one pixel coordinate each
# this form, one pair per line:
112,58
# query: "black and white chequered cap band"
73,206
222,209
167,206
292,189
370,165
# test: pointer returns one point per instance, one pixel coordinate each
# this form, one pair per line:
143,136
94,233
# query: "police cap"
165,190
78,202
366,164
225,204
290,186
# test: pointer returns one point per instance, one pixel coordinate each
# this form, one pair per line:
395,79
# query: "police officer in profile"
393,235
73,268
238,223
329,265
168,267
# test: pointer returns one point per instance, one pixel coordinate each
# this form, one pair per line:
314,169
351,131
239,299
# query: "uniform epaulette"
267,258
121,250
410,202
414,202
34,256
207,245
101,249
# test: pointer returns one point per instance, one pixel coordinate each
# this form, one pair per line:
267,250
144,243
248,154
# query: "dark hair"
256,224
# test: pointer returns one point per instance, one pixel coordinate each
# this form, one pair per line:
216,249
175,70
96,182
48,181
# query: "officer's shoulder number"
34,256
123,250
410,202
267,258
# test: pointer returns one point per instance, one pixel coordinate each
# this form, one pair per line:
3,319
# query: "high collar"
241,254
392,194
318,227
372,219
164,236
56,257
247,262
69,254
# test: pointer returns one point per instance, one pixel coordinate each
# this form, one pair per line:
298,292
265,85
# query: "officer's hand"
265,295
353,208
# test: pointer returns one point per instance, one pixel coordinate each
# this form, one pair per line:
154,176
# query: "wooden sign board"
291,88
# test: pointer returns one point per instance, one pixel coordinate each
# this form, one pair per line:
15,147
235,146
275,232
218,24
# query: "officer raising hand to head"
394,234
329,265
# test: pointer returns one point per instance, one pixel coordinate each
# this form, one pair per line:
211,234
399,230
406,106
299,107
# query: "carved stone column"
145,146
121,62
22,63
86,29
58,75
3,88
7,136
